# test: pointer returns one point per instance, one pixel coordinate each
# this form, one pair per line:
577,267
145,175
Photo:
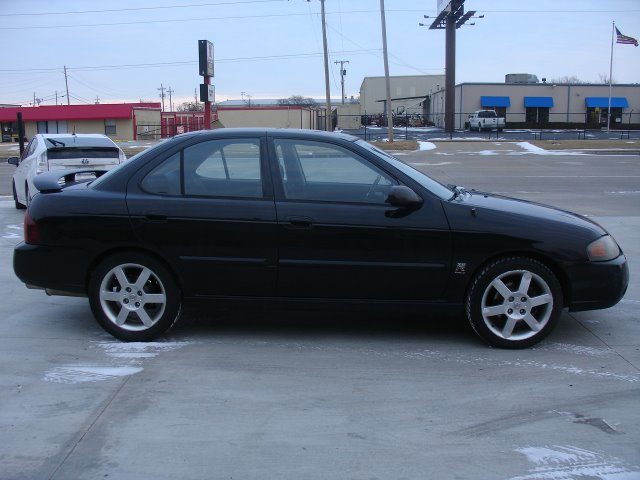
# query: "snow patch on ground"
74,374
13,232
129,361
426,146
566,462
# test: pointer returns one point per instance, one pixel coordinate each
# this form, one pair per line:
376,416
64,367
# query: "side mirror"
13,161
403,197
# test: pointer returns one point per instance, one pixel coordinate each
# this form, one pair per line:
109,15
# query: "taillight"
43,164
31,231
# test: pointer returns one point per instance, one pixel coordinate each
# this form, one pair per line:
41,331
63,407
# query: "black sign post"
205,66
20,131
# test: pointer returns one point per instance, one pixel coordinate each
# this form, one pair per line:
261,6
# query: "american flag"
624,39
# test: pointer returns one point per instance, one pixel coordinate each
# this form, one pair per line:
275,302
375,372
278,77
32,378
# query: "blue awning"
487,101
538,102
603,102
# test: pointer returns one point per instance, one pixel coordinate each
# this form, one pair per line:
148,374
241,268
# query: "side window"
223,168
323,172
165,178
31,148
109,127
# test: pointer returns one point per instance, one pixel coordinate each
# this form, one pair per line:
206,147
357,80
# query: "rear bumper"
598,285
57,268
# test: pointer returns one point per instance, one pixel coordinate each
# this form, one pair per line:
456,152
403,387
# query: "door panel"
194,209
336,237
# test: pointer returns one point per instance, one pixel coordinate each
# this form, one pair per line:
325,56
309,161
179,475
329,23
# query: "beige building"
544,105
118,121
286,116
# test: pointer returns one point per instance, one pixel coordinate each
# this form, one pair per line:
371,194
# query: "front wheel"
514,302
134,297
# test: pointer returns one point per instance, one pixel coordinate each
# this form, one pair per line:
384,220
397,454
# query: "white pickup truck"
485,119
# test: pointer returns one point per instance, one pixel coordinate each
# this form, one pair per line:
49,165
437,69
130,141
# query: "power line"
111,10
199,19
181,63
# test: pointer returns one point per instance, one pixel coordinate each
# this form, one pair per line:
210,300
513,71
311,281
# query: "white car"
60,151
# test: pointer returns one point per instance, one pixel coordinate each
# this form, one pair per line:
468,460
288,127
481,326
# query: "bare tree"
573,79
604,78
297,100
190,107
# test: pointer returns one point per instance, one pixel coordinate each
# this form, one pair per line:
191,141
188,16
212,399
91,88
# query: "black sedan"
278,215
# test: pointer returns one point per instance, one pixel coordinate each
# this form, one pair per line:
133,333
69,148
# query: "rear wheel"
19,205
514,302
134,297
27,195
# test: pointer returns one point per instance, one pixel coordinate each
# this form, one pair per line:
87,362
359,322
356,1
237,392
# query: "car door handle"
300,222
155,216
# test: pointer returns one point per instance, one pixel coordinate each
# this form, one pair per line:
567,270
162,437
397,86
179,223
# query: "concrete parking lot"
249,394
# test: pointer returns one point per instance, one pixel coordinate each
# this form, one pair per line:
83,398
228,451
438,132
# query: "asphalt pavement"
248,394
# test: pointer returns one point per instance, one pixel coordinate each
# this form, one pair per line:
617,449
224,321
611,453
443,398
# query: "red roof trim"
75,112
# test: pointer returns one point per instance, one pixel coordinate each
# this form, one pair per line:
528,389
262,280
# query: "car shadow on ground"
331,323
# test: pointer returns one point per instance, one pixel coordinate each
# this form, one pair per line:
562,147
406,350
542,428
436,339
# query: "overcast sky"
123,50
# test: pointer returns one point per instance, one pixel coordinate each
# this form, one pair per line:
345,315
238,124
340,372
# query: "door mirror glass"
13,160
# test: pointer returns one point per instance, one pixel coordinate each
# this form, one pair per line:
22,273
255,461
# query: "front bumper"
597,285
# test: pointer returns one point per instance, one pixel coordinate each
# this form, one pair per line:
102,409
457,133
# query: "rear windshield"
490,114
69,153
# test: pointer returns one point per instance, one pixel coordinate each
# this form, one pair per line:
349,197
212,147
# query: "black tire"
19,205
514,302
134,297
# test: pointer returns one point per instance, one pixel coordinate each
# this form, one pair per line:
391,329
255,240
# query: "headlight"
603,249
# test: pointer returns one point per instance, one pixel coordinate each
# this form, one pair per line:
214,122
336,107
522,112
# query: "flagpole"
613,28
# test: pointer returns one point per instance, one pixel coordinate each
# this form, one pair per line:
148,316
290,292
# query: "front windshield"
429,183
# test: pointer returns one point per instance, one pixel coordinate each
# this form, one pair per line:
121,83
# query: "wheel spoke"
110,296
122,316
501,288
122,278
144,316
532,322
508,327
142,278
525,282
155,298
541,300
492,311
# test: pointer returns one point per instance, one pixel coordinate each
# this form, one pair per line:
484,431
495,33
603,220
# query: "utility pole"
328,117
170,91
162,95
451,17
66,83
389,110
56,97
97,100
343,72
